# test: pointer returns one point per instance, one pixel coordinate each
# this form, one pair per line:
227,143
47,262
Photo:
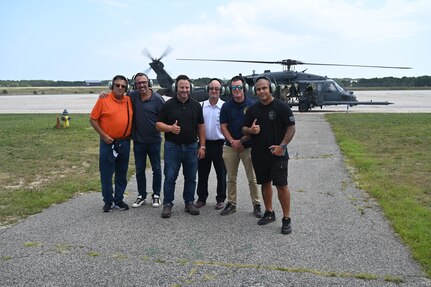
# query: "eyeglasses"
214,89
239,87
120,86
141,83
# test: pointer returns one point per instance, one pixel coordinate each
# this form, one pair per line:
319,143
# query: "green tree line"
45,83
419,82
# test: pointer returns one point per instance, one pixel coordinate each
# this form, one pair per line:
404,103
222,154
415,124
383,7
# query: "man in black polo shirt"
182,121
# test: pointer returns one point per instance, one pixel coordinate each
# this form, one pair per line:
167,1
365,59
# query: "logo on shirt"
271,115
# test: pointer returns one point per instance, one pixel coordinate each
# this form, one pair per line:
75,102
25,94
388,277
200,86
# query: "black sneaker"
191,208
229,208
107,207
286,227
167,209
139,201
121,205
257,211
268,217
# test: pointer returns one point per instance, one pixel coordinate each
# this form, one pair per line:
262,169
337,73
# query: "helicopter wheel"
303,107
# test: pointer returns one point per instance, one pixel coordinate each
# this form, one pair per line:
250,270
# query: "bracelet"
203,147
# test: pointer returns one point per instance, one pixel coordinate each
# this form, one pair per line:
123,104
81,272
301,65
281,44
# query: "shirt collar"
219,103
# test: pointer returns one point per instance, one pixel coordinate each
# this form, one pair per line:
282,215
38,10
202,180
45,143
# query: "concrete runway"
404,102
340,237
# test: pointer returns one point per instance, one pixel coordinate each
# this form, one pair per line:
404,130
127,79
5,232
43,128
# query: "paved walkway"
340,237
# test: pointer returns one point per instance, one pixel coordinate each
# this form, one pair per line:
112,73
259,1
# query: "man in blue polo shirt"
237,146
146,138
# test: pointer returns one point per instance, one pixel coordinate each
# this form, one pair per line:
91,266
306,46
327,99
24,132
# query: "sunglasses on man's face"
120,86
239,87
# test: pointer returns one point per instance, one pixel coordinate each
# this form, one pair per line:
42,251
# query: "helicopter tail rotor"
155,62
147,54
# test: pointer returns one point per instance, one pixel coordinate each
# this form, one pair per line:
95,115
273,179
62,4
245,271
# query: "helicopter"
305,90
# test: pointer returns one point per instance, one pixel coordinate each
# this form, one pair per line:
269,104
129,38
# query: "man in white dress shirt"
214,147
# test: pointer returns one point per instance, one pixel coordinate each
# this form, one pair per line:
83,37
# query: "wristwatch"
284,146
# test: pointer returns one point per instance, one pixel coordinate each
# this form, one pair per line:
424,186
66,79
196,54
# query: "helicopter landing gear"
303,106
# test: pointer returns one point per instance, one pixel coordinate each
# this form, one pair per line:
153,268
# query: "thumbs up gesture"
175,128
255,128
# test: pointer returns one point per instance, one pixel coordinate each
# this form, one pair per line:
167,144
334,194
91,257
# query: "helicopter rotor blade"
290,62
147,70
167,51
360,66
147,53
237,61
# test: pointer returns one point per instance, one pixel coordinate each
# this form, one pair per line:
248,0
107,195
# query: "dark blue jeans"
108,165
141,151
175,156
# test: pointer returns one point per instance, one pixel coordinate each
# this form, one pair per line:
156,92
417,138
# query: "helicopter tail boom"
355,103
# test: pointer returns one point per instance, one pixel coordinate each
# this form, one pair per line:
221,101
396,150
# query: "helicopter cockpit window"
331,88
339,88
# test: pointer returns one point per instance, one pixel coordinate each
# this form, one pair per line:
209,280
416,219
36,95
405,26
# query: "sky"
98,39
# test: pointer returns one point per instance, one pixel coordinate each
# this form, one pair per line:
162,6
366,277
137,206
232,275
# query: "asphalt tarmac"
406,101
340,236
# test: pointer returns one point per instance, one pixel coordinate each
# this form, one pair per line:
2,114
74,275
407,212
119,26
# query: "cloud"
111,34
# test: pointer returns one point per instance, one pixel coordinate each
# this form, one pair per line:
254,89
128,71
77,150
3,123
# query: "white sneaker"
156,201
139,201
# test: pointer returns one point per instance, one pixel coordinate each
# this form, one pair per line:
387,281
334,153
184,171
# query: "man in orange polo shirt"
112,117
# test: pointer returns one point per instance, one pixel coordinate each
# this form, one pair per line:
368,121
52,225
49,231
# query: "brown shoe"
191,208
199,204
219,205
167,209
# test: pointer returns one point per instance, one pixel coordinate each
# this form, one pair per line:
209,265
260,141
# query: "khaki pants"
231,160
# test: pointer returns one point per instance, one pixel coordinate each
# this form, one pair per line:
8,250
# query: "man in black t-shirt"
271,125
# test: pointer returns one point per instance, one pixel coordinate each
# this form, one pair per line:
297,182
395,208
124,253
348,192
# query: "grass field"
41,165
391,156
390,153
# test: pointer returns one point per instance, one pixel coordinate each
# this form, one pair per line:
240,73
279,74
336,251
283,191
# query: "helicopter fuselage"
304,90
308,91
